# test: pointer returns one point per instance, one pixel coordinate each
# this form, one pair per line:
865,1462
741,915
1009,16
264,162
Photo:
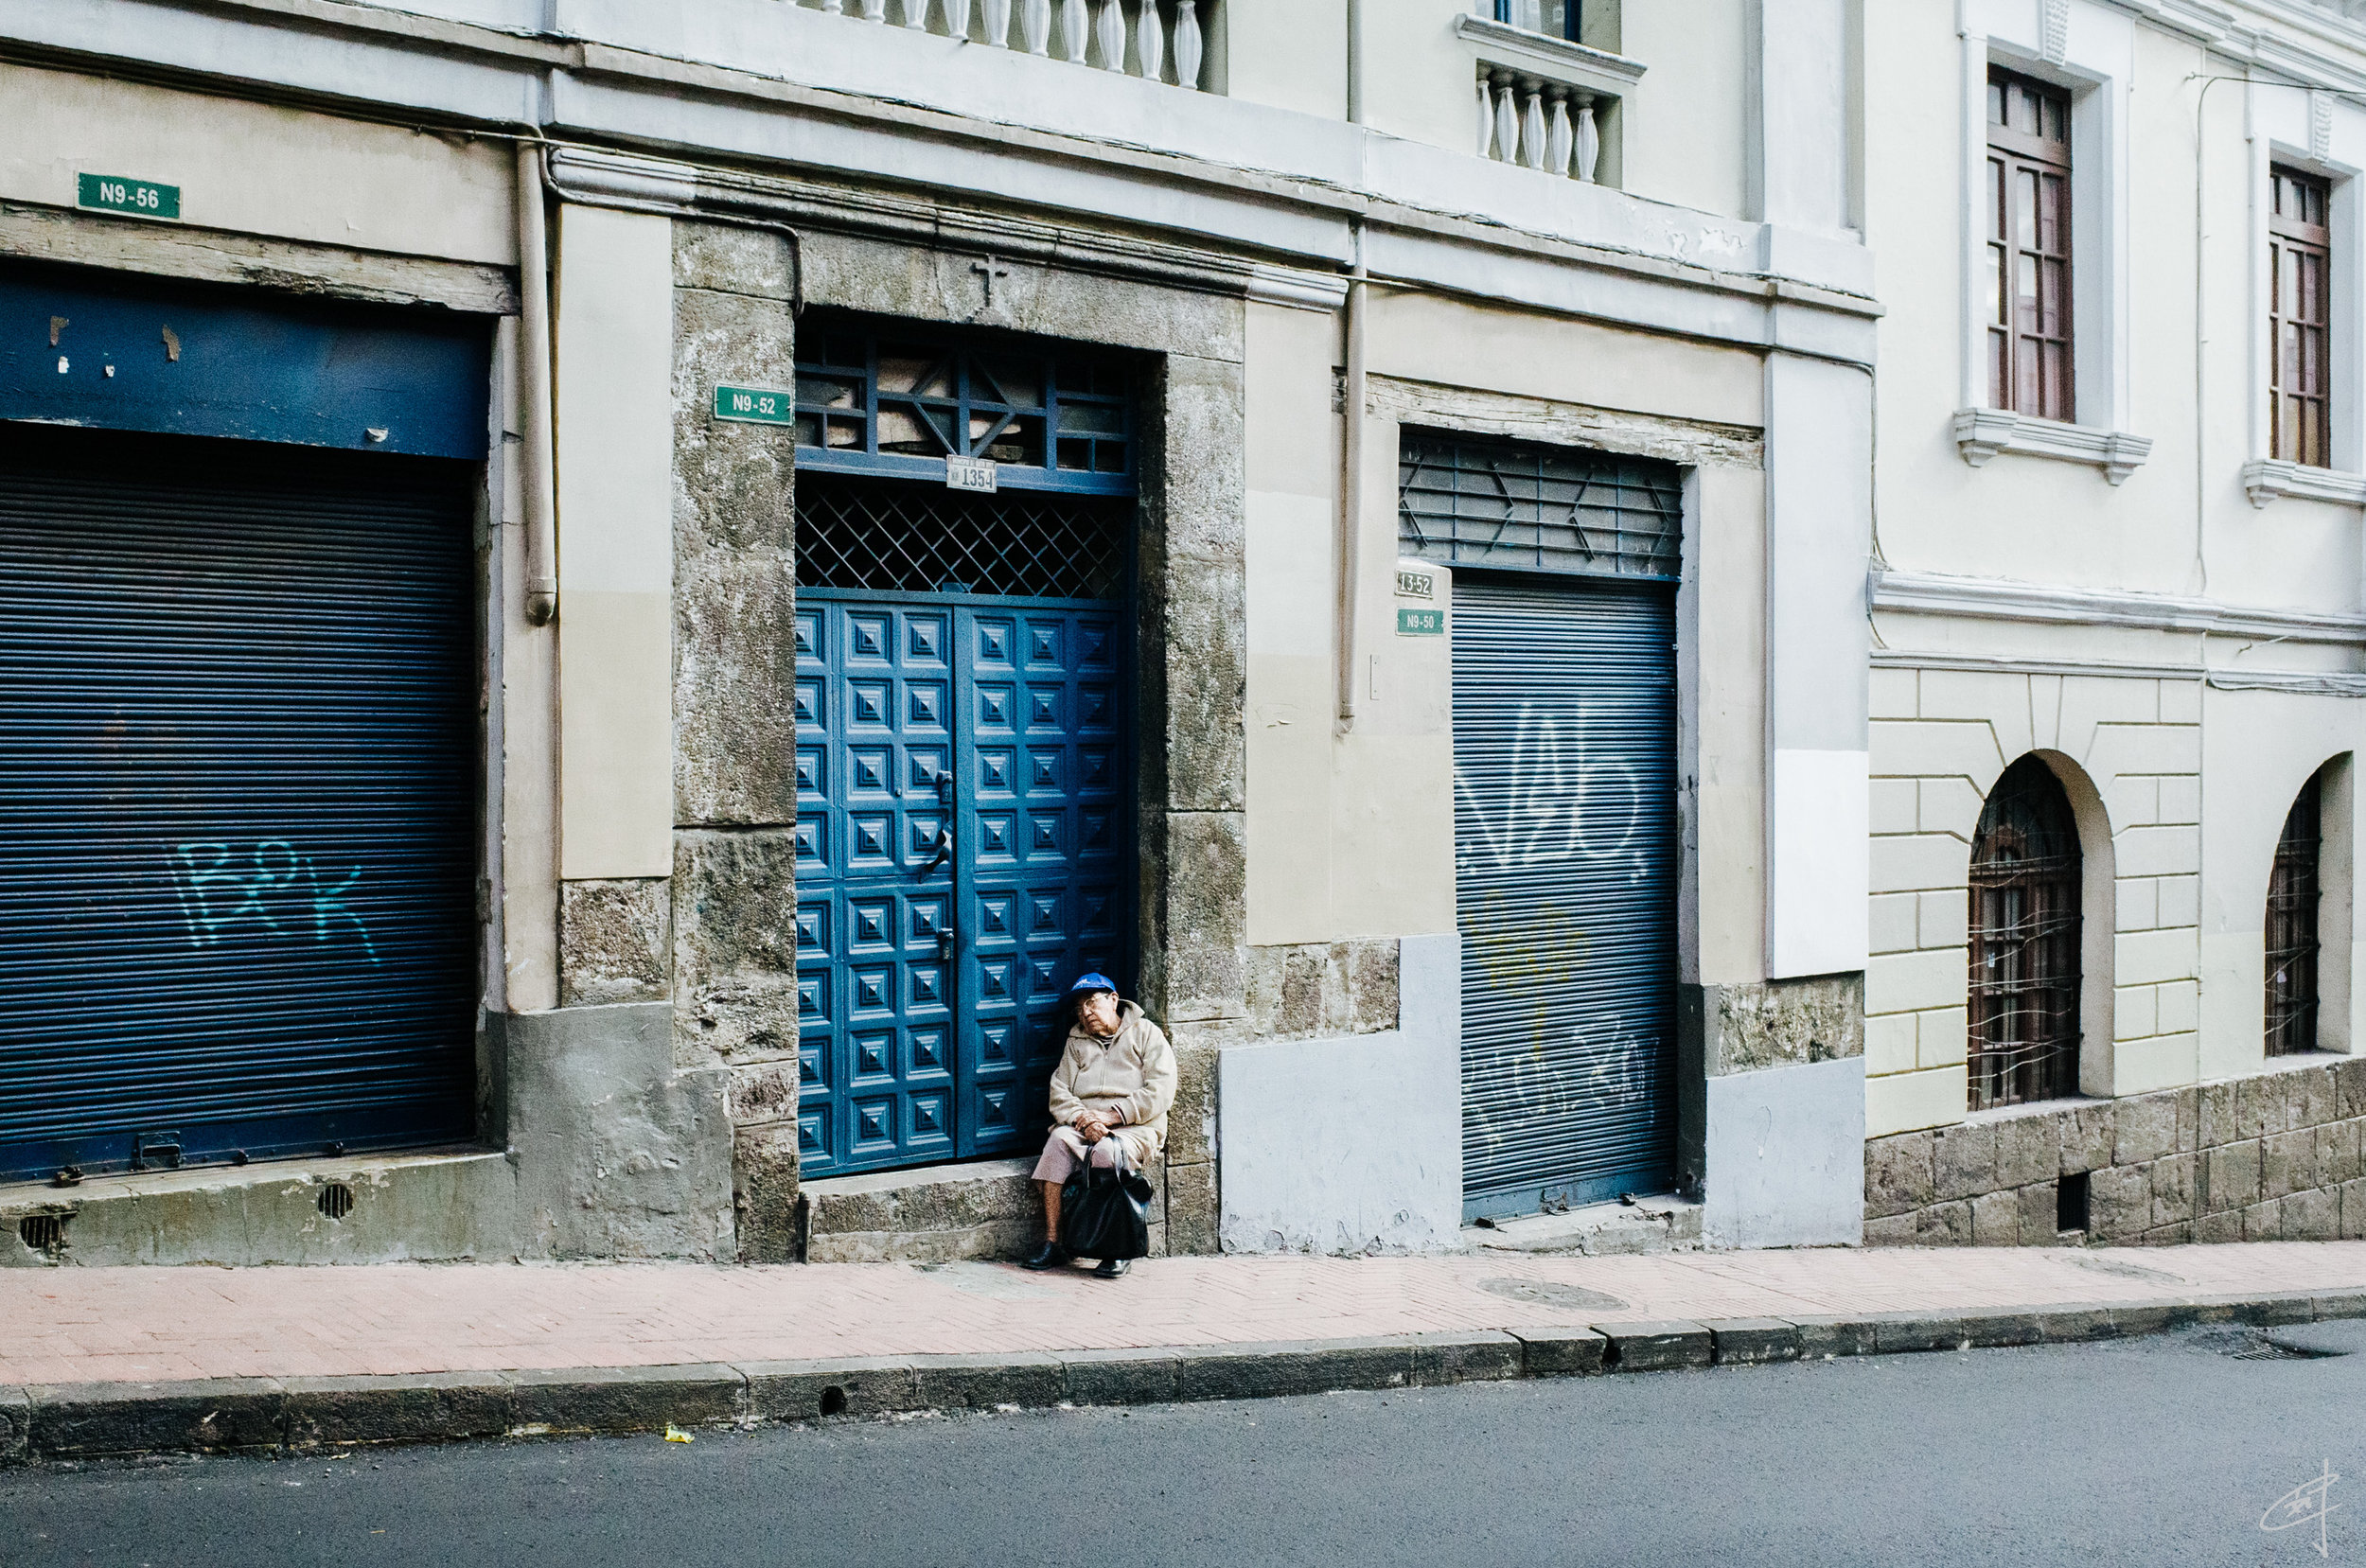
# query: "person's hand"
1113,1116
1089,1128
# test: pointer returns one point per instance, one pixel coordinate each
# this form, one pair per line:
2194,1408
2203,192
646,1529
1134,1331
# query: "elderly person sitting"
1109,1095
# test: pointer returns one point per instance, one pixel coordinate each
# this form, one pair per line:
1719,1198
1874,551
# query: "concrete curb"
269,1415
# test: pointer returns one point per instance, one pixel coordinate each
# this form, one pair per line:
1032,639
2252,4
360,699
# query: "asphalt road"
2153,1451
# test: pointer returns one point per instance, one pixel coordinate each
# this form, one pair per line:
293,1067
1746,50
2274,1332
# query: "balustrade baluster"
833,8
874,10
1150,42
1186,46
956,18
1507,121
1486,117
1035,22
997,20
916,14
1589,147
1560,136
1110,25
1532,124
1075,30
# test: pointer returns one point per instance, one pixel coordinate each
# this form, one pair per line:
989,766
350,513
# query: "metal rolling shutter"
237,799
1565,741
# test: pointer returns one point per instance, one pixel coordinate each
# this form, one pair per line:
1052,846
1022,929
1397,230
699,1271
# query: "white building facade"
2116,620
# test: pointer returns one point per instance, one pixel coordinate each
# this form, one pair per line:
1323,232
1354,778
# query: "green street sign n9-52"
756,404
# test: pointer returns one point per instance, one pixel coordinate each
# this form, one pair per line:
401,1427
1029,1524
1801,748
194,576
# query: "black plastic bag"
1105,1213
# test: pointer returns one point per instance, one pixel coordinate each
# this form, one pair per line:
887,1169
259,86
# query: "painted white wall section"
613,315
1351,1145
1819,521
1800,59
1821,862
1786,1157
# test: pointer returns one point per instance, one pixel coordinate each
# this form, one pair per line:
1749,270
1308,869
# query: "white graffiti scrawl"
1565,799
274,887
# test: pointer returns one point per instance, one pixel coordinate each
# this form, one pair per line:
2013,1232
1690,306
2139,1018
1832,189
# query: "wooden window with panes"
2029,247
2300,295
2292,944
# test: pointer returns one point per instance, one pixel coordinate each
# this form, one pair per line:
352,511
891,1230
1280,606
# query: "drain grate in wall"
336,1200
43,1233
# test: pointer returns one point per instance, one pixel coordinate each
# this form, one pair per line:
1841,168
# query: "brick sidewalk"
143,1325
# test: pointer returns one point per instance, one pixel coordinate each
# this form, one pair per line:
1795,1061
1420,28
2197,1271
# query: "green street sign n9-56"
116,193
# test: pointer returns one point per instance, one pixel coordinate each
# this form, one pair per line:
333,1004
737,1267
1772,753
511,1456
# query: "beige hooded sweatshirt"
1133,1069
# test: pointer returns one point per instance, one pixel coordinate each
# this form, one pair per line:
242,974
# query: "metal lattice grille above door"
890,536
1517,506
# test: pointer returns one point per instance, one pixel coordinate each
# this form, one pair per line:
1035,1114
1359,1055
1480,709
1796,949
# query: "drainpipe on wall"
1351,480
534,361
1351,405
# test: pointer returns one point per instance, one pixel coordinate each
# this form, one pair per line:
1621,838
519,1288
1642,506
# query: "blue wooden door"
962,852
1042,840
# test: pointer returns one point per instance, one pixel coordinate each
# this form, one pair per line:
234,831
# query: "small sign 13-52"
114,193
758,404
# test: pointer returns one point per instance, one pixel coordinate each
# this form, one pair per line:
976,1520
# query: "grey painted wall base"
1785,1152
613,1153
417,1206
619,1155
1352,1144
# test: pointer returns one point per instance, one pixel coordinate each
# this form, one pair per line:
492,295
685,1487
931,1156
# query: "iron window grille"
897,405
1481,502
2024,942
897,537
2300,300
2028,224
2292,929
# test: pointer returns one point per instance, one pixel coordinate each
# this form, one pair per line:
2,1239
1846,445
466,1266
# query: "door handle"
944,947
945,833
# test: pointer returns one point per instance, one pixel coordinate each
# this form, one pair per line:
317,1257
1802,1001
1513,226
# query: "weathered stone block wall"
1724,1029
733,889
1193,649
734,954
2272,1158
1314,989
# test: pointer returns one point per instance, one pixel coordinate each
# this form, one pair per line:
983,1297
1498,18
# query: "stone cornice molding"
1303,291
2297,682
1505,48
2265,479
1982,433
2002,599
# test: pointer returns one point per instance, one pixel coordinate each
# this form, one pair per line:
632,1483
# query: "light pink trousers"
1064,1150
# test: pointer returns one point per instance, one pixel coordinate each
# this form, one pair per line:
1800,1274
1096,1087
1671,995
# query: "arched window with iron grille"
2024,942
2292,930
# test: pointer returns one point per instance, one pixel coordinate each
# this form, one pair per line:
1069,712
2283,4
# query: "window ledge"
1981,433
2268,478
1513,48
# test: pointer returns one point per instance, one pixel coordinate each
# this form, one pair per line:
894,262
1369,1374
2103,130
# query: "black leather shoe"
1114,1268
1048,1255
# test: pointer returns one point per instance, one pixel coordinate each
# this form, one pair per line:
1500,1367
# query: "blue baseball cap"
1092,979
